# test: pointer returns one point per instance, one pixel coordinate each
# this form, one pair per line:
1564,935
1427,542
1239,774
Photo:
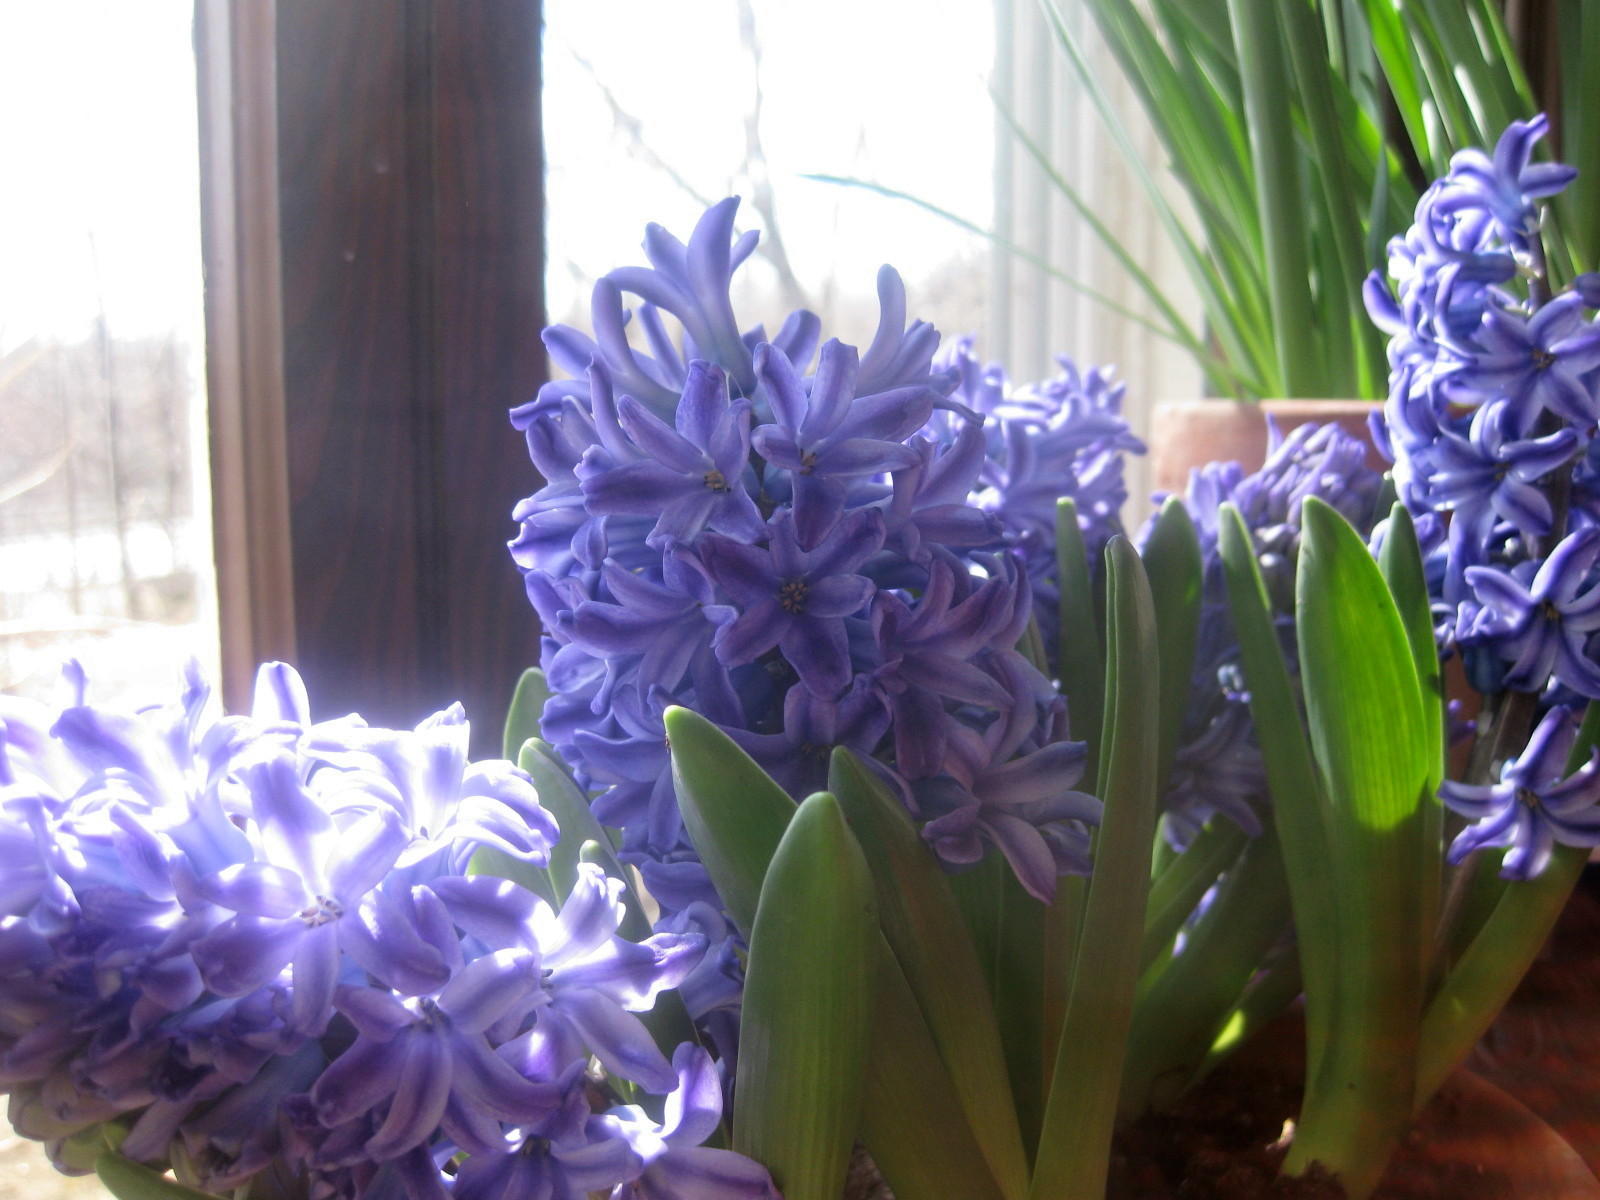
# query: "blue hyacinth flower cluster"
813,546
1218,768
253,948
1494,398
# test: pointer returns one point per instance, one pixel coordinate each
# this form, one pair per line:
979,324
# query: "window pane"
104,534
747,97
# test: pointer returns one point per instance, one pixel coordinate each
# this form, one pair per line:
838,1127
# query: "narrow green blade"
1268,995
1298,807
735,814
1179,1013
1279,195
1176,891
925,929
1401,563
1075,1141
806,1026
1080,661
1173,562
562,798
1579,206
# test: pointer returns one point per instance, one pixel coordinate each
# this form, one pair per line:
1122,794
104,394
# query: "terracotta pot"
1476,1141
1191,433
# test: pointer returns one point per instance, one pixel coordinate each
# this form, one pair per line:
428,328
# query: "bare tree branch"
633,129
762,200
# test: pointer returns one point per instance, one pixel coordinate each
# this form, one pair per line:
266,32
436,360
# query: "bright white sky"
100,199
888,90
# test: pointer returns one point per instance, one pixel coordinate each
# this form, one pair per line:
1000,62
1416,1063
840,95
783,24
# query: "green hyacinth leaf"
737,817
1173,562
527,705
1075,1138
1373,748
911,1121
806,1025
734,812
1298,807
563,799
925,930
1080,661
1400,560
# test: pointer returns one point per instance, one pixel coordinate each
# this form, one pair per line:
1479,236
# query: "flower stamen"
792,596
320,911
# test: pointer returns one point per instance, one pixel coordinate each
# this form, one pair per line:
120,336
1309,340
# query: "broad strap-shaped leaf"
925,930
1298,806
1075,1140
1081,666
128,1180
911,1120
737,816
1364,710
527,706
806,1028
1173,562
733,810
1008,926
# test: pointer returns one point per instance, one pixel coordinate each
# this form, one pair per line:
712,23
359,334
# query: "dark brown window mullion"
412,260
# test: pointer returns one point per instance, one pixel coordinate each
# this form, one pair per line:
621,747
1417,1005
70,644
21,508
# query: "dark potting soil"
1224,1141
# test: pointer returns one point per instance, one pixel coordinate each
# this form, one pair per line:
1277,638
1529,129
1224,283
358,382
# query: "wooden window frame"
373,229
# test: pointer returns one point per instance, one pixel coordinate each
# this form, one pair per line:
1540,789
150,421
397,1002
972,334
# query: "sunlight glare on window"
104,531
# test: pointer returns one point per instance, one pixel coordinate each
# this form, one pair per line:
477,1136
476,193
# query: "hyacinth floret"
1494,394
1063,438
251,944
811,545
1535,804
